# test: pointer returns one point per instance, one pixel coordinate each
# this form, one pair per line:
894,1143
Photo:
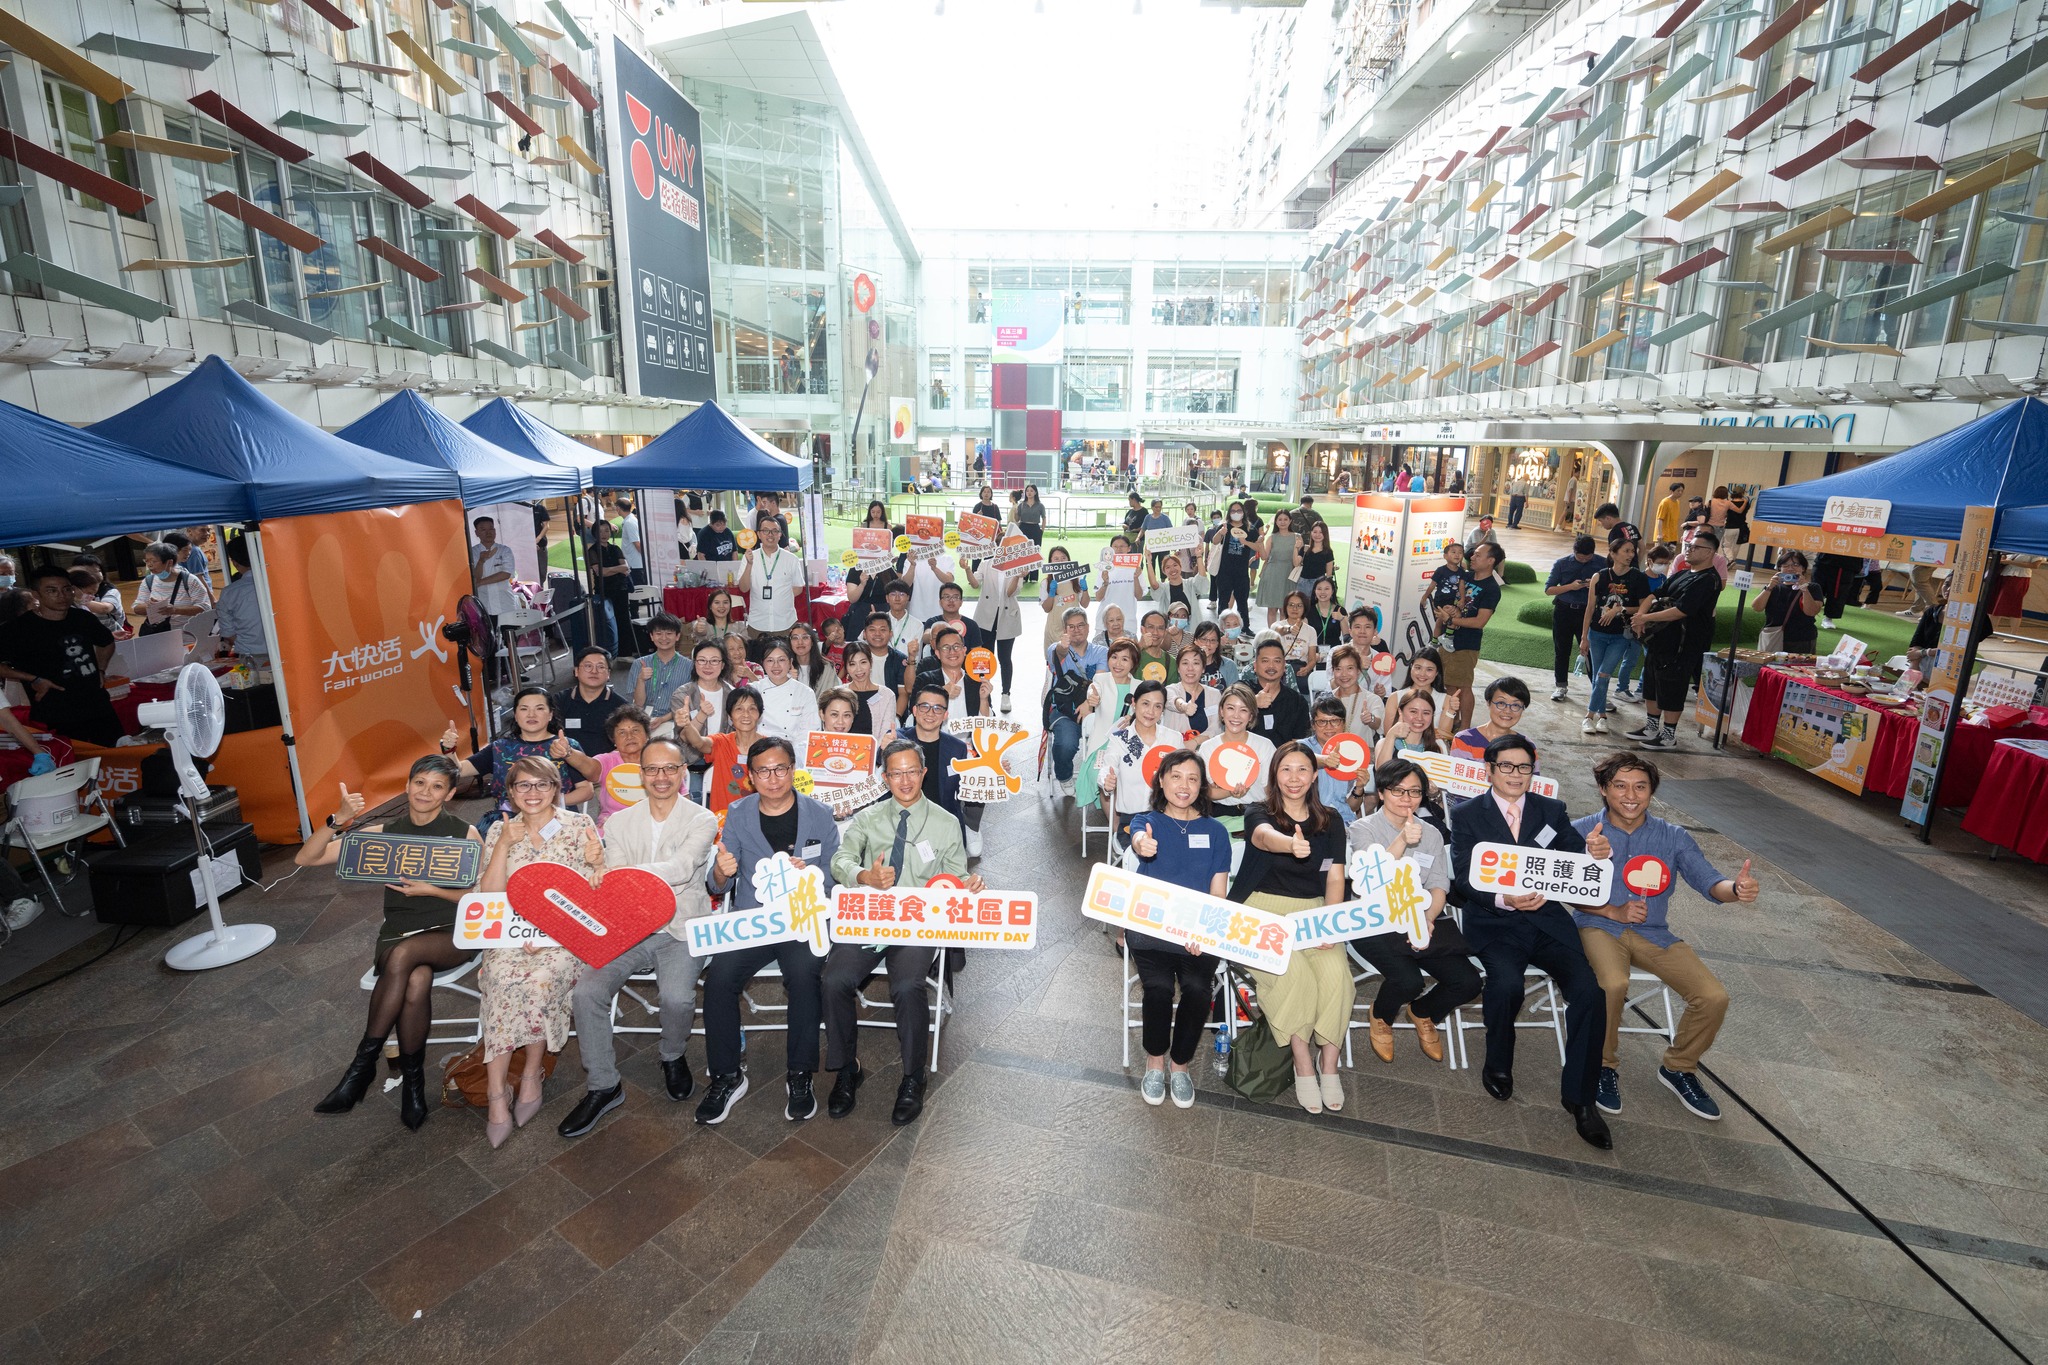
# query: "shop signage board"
1829,736
663,257
1397,539
1816,540
1861,517
1713,681
1945,677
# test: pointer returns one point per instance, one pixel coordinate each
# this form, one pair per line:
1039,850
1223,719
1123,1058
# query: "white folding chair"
1361,1014
63,825
1657,990
1105,827
449,980
1539,995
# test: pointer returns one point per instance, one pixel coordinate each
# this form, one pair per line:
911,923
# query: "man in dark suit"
1509,934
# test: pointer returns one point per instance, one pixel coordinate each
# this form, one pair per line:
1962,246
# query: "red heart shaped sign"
597,923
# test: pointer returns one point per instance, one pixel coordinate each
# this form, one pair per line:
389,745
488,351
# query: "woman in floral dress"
526,990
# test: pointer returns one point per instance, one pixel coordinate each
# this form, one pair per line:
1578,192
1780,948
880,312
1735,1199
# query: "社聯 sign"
791,908
1239,933
1391,899
1516,870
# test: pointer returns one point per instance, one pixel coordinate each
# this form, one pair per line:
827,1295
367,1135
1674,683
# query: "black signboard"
367,857
661,257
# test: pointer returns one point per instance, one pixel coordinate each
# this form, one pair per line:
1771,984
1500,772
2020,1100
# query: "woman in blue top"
536,733
1176,842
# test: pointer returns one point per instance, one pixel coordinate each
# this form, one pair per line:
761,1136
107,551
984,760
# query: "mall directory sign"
662,262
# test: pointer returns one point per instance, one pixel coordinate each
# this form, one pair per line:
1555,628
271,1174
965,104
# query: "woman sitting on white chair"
416,940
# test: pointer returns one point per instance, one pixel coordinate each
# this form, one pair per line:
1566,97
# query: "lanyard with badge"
768,567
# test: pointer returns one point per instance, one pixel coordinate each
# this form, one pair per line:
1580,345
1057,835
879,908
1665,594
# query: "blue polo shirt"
1657,839
1087,661
1189,857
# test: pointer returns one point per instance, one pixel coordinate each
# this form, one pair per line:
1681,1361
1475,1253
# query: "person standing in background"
630,542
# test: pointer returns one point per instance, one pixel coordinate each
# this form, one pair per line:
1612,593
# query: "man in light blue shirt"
1633,929
238,615
1071,665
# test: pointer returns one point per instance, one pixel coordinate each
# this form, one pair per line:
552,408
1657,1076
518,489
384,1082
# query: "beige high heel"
497,1130
524,1110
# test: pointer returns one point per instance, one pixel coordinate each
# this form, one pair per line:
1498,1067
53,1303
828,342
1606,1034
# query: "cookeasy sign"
663,264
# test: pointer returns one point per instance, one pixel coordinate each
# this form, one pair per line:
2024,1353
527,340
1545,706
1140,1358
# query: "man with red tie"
1510,934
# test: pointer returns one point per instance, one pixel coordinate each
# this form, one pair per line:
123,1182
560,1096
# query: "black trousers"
1507,942
1167,1031
1005,652
1447,958
1565,625
727,977
1234,585
1666,675
848,968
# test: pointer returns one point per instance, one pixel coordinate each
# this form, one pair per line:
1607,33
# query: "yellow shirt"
1669,517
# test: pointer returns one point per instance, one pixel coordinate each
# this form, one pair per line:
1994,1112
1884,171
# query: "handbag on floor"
1261,1069
466,1085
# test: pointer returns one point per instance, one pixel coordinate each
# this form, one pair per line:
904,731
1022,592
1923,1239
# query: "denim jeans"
1066,742
1608,653
1631,663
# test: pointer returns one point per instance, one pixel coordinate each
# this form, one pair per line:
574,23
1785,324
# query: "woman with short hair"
415,940
1175,840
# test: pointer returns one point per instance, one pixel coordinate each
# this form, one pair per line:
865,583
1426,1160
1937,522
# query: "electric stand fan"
193,721
470,632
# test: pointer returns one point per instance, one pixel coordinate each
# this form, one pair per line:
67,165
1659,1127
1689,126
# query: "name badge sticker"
573,723
1268,720
924,850
1545,837
1198,841
811,851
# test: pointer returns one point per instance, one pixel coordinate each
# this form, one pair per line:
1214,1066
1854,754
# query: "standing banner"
1829,736
359,599
658,537
1966,592
1397,540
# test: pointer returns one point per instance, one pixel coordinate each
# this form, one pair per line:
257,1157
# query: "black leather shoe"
840,1102
909,1101
676,1076
412,1088
594,1105
355,1082
1499,1084
1591,1126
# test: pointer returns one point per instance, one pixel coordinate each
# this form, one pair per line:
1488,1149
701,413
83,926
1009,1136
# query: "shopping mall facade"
1508,244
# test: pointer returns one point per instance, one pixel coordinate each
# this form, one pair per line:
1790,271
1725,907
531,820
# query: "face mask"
6,580
1237,516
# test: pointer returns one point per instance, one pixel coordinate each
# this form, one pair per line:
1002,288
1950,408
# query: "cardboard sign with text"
597,924
1173,538
978,534
838,760
1016,555
1124,561
873,546
1945,678
1516,870
1391,899
923,529
939,916
996,749
1239,933
485,920
1462,776
791,908
1061,570
366,857
846,802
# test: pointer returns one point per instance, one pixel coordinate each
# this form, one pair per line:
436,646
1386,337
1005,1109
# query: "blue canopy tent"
409,428
708,450
215,421
1999,460
503,424
67,484
2022,531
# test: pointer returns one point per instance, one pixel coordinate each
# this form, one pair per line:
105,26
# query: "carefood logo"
667,166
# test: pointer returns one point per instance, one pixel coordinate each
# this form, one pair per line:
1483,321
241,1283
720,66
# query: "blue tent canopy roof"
215,421
66,484
2000,460
409,428
708,450
504,424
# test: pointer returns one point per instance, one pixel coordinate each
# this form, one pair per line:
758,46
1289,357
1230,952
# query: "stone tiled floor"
169,1196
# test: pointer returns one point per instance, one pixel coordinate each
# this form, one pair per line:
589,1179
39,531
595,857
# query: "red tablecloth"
1891,755
2018,819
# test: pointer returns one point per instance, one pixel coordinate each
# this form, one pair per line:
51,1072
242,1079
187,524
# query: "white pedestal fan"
193,721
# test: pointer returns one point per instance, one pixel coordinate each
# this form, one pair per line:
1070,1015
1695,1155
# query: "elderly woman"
1119,581
1294,861
739,671
526,991
727,778
169,592
627,728
416,940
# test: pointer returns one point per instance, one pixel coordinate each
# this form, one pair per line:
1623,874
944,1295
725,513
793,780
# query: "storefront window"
979,377
1191,384
1096,383
938,368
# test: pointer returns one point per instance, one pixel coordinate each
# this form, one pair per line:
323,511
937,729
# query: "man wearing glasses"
773,820
1510,934
904,841
930,707
671,837
1399,828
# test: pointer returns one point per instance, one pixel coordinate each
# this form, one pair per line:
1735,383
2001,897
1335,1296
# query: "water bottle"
1222,1052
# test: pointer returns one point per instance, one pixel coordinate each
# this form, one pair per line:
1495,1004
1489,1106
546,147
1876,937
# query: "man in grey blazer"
773,820
672,837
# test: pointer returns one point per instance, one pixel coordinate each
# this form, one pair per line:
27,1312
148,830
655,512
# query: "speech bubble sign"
1515,870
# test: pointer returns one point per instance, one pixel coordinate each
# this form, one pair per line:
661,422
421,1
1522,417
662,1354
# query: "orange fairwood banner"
360,599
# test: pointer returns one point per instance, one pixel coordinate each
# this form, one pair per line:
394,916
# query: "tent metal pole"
259,567
574,508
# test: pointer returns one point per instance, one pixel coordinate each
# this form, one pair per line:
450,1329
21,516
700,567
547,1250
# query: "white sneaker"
23,913
1067,789
1600,725
1006,703
1589,726
1559,693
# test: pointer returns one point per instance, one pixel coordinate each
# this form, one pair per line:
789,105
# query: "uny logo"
641,158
